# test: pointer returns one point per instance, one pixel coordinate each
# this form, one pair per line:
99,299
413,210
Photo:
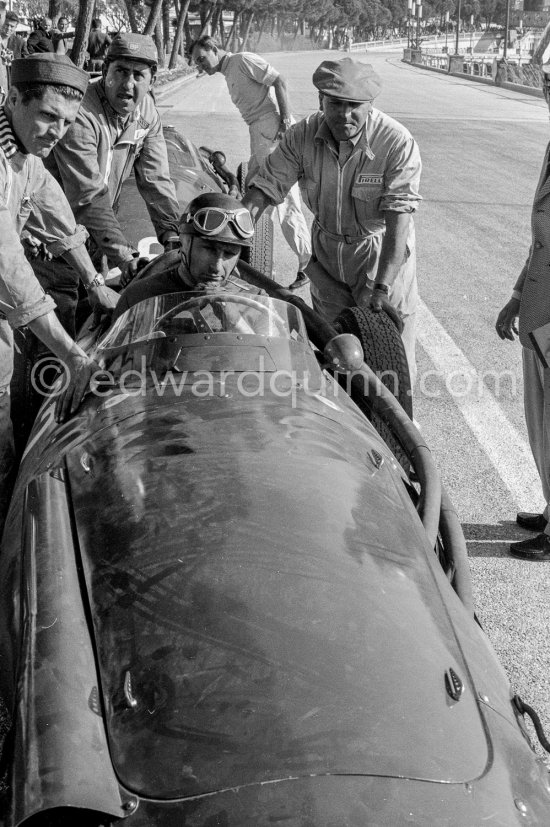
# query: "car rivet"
521,806
130,805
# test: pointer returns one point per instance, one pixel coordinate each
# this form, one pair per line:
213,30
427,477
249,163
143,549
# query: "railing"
373,44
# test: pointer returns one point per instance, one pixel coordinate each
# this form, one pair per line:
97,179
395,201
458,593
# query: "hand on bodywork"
130,268
255,201
392,256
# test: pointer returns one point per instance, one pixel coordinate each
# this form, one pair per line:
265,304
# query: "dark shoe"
532,522
535,548
300,281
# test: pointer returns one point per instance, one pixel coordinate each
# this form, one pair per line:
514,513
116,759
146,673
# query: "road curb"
172,85
513,87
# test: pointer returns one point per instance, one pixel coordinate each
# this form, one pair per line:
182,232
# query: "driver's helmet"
220,217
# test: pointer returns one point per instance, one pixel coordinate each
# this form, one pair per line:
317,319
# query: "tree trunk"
538,54
261,30
188,35
247,31
54,10
159,41
227,43
177,35
82,30
207,19
153,17
131,15
166,32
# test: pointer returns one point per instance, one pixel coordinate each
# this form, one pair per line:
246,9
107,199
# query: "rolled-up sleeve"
402,178
21,296
154,183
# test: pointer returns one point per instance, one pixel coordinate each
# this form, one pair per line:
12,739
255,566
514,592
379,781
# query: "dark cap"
48,68
133,46
347,79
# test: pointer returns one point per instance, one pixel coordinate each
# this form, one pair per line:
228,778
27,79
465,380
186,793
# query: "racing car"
225,602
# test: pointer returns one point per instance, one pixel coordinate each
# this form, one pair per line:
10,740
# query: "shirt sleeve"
259,69
402,177
22,299
87,191
154,183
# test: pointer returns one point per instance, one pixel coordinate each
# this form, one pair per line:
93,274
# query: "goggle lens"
212,220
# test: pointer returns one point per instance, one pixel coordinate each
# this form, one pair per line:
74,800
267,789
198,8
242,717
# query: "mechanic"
212,232
117,129
249,80
530,303
41,39
42,102
359,172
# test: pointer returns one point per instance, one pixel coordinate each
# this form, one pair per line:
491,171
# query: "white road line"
508,451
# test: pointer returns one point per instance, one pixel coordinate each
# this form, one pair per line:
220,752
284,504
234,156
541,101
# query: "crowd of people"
46,38
67,145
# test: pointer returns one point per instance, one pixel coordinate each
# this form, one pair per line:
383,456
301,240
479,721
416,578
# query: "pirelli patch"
365,178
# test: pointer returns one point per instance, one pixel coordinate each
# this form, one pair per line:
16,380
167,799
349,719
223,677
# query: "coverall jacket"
92,161
349,200
534,312
29,198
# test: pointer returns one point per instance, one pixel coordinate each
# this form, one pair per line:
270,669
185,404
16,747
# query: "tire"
260,255
385,355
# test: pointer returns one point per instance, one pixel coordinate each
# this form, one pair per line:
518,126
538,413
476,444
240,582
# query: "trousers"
536,399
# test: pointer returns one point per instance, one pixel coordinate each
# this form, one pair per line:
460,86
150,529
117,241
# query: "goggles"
212,220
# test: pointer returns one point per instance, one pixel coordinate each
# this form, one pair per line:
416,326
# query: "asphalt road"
482,148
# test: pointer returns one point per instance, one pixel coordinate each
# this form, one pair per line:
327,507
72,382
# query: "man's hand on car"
34,248
103,301
81,368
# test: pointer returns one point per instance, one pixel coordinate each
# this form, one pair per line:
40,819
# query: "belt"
347,239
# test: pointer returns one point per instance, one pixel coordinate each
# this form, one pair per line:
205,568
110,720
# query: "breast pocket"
366,201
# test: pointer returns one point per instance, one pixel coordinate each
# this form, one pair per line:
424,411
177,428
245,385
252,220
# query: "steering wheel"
198,302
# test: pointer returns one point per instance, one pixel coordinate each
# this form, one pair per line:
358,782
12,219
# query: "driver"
212,234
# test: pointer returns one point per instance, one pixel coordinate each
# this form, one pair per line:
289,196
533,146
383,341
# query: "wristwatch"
98,281
286,121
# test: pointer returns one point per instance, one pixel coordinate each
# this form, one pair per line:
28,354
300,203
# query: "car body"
221,603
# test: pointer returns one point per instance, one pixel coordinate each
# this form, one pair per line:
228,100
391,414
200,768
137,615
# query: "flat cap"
133,46
49,68
347,79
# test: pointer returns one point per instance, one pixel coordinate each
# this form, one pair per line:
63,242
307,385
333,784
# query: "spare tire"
385,355
260,255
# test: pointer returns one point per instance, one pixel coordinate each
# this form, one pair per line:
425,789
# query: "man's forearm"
50,331
256,202
394,247
80,261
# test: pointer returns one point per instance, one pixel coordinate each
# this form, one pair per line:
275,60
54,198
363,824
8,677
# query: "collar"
8,141
324,135
113,116
223,62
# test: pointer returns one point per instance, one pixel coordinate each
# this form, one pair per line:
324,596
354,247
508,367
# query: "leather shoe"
300,281
532,522
535,548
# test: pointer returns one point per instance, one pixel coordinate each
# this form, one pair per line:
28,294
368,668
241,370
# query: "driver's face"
210,261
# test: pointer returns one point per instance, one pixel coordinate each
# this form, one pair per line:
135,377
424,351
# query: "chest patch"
365,179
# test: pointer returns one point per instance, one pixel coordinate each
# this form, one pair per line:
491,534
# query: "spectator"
249,80
117,131
41,39
530,304
62,39
359,171
7,31
98,44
